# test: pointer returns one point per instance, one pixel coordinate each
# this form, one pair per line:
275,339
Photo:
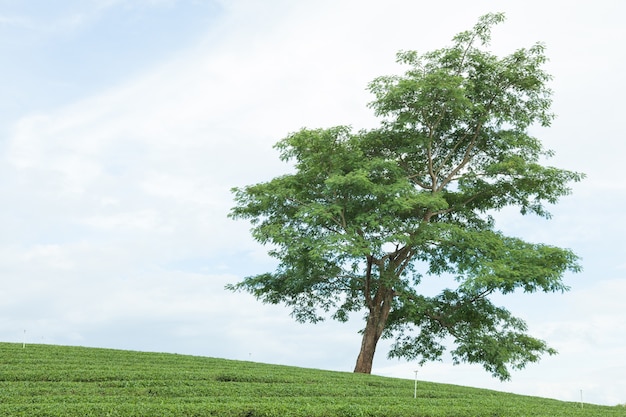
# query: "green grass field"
46,380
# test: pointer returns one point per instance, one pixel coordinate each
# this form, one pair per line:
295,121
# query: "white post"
24,341
581,399
415,388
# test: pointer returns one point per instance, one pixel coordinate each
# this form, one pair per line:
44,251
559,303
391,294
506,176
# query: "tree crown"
364,209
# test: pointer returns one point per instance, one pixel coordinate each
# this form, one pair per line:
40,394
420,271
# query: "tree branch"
368,280
467,157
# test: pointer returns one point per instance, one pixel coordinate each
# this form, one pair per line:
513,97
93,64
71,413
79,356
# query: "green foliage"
56,381
369,215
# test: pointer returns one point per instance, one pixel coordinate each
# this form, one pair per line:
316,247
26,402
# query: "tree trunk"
376,320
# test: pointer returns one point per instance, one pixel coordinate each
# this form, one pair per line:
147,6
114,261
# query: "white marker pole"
415,388
581,399
24,341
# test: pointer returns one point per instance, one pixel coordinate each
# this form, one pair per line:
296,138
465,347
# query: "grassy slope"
45,380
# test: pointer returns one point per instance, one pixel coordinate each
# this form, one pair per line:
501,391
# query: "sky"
125,123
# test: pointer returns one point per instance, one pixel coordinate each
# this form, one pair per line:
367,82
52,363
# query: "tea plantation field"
51,381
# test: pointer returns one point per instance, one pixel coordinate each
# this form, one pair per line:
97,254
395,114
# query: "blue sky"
124,125
70,49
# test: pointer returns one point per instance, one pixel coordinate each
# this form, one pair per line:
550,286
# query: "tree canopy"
369,215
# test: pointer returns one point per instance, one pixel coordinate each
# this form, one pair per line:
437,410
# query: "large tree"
367,216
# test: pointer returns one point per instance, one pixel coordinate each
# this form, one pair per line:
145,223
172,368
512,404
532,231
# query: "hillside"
46,380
